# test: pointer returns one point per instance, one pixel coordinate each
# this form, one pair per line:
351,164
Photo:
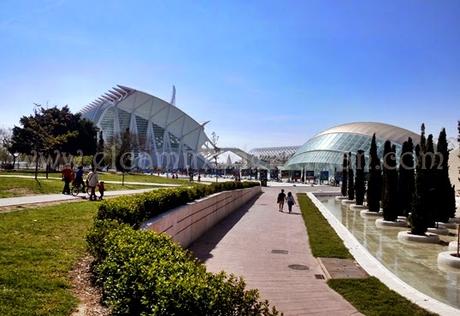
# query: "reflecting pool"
414,264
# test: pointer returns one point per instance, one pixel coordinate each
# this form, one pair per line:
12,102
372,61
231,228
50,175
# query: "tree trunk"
36,167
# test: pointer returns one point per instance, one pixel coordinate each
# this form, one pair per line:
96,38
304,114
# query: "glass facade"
324,152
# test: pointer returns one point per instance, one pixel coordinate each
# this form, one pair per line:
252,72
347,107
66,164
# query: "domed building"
324,151
162,135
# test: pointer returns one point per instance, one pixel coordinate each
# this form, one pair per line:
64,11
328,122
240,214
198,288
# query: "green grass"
372,297
38,248
12,187
367,295
109,176
324,242
141,178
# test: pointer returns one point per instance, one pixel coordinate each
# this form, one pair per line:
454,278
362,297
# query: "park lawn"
144,178
324,242
38,248
13,187
108,176
367,295
372,297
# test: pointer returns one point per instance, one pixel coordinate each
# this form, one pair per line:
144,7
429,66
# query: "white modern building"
162,135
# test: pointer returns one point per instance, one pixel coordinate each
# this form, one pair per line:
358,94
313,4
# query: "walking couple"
289,199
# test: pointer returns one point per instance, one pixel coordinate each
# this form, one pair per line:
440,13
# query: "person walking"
290,201
280,200
92,181
101,187
78,182
67,177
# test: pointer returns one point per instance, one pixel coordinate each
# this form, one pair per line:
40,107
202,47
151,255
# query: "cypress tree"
351,178
360,187
390,182
418,218
428,163
443,201
344,187
422,139
374,185
406,182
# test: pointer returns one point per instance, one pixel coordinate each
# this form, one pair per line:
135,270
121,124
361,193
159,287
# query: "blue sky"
264,72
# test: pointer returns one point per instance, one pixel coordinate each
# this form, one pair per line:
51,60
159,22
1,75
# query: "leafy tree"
351,178
406,183
99,160
374,185
360,186
390,182
123,160
53,131
344,187
6,152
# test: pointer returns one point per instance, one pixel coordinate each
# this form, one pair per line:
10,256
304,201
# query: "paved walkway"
243,243
47,198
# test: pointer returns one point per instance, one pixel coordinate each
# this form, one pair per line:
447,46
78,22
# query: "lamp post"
215,161
190,169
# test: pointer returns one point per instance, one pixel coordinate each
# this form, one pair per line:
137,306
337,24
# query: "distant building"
274,155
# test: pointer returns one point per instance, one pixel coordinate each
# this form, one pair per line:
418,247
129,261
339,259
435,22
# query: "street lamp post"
215,161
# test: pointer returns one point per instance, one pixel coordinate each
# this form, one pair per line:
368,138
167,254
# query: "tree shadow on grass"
202,247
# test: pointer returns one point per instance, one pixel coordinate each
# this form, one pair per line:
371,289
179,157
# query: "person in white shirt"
92,181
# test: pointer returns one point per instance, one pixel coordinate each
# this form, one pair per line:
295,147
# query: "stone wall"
188,222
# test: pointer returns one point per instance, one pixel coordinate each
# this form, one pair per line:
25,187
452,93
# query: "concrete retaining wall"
188,222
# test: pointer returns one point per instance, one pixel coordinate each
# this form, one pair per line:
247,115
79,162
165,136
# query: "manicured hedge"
142,273
146,273
135,209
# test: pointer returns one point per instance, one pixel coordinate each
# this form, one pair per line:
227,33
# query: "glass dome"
324,151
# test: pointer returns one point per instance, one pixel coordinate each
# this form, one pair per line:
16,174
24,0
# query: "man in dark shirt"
79,178
280,200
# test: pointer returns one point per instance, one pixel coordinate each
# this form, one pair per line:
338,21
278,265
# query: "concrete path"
106,181
243,244
47,198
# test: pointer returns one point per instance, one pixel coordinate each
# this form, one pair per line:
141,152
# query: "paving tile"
242,244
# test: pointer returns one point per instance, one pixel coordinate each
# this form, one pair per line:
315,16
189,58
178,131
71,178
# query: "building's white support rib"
142,104
120,91
116,123
133,128
157,112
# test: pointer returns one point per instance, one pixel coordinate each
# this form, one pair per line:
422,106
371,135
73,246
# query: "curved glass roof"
325,150
383,131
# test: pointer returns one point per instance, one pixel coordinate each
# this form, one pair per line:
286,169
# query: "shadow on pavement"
202,247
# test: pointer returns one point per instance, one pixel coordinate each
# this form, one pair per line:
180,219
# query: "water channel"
415,264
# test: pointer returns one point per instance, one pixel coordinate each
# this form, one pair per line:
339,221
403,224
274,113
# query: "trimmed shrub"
146,273
135,209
